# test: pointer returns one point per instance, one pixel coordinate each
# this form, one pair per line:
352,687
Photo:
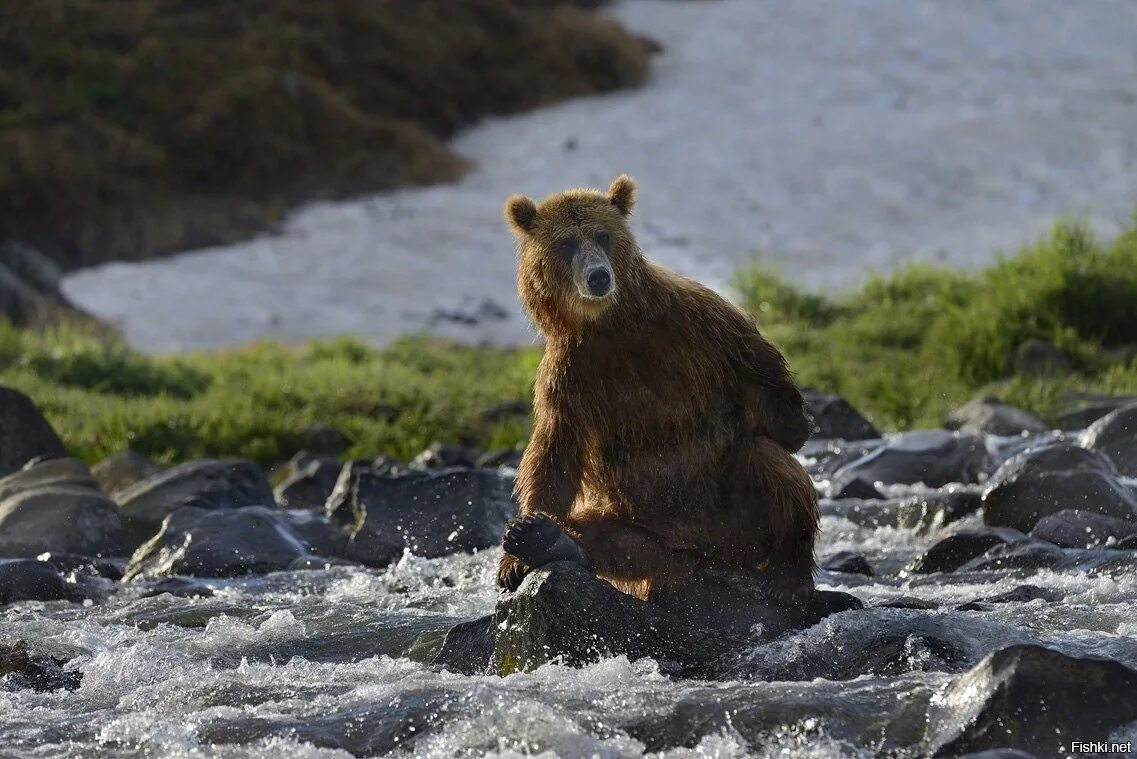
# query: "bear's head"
577,254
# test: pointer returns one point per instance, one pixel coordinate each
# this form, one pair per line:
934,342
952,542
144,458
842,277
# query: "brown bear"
664,423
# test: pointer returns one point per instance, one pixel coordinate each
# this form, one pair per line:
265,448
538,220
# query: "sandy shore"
832,137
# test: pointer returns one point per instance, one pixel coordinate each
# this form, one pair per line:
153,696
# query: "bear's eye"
565,246
602,239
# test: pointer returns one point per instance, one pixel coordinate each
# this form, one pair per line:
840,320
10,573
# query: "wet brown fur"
664,422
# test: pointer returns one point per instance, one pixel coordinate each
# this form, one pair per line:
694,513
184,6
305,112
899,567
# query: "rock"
1034,699
1039,358
316,563
1026,554
322,439
20,303
217,543
932,511
431,513
32,267
854,487
204,484
446,456
21,668
1025,594
118,472
988,415
506,457
835,418
308,481
933,457
468,647
24,433
563,611
1127,544
1072,528
908,602
848,562
1115,435
30,580
53,507
1083,409
324,539
822,458
179,587
1053,478
67,563
954,551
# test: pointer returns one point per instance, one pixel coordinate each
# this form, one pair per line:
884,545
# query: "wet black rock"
446,456
848,562
907,602
118,472
468,647
931,511
24,433
218,543
854,487
308,481
1115,435
1034,699
30,580
21,668
1026,593
1028,554
1053,478
835,418
110,568
933,457
53,506
1083,409
563,611
988,415
323,538
504,457
431,513
1072,528
179,587
204,484
954,551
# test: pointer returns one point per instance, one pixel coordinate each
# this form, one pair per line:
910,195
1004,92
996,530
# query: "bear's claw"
537,540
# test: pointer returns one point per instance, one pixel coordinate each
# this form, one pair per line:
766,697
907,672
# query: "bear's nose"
599,282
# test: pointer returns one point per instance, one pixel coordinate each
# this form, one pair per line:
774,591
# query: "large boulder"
53,507
954,551
204,484
218,543
430,513
1072,528
24,433
933,457
1053,478
1115,435
563,612
1034,699
988,415
835,418
119,471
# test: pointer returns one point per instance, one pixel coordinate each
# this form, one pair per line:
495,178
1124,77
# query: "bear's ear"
520,214
622,193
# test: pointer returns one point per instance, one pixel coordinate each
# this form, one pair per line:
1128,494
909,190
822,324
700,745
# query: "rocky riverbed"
978,591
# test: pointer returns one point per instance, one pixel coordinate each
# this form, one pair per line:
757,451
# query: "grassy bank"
135,127
905,348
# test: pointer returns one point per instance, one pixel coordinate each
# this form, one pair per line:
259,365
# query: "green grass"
908,347
905,348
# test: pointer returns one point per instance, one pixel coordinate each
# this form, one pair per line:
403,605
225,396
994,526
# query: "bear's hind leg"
537,540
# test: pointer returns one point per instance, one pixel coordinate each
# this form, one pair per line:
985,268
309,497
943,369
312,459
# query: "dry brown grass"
130,128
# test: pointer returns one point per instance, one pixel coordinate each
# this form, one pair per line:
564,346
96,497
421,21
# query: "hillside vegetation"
905,348
130,128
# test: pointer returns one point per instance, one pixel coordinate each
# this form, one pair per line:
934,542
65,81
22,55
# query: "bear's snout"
599,281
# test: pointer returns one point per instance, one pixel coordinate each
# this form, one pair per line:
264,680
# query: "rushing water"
314,664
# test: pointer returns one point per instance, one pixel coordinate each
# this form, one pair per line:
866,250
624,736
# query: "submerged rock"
848,562
218,543
53,507
24,433
990,416
1073,528
22,668
563,612
835,418
204,484
1054,478
933,457
431,513
1034,699
30,580
1115,435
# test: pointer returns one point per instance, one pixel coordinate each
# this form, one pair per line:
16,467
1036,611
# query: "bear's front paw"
537,540
510,572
